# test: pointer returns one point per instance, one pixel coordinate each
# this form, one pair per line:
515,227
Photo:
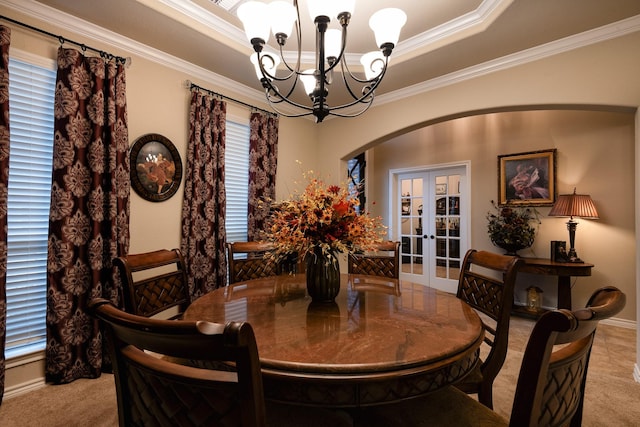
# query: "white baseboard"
23,388
622,323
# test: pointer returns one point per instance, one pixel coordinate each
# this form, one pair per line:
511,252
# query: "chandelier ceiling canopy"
280,77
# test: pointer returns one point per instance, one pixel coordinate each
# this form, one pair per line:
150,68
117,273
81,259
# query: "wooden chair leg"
485,395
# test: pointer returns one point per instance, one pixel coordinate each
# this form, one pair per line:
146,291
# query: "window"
356,167
31,96
237,180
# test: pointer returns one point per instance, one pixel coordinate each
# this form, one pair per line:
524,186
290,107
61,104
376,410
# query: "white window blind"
237,180
31,96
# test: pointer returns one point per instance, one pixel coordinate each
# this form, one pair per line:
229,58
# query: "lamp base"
571,255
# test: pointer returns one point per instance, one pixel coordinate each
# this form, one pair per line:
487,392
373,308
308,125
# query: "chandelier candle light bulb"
281,17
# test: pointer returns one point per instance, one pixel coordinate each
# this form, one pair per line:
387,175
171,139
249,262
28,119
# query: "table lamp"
578,205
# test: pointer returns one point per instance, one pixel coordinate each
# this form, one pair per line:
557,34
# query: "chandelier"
280,17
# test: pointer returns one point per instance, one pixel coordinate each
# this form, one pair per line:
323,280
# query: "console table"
564,271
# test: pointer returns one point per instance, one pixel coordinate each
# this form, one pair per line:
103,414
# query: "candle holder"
534,299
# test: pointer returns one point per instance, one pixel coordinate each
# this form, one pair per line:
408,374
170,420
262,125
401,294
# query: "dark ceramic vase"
323,276
510,248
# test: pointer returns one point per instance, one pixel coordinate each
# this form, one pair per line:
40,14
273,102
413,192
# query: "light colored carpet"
83,403
612,396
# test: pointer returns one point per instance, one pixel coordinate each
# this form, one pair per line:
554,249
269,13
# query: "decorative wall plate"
156,168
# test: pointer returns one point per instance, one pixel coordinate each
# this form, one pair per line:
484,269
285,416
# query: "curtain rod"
62,40
192,85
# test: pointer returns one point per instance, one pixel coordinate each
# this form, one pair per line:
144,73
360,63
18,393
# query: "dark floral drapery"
203,208
263,163
5,39
89,216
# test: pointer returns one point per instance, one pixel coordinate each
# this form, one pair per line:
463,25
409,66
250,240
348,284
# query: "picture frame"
527,179
156,167
559,251
441,189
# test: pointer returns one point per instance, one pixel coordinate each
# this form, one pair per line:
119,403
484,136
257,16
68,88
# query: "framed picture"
527,178
559,251
156,168
441,189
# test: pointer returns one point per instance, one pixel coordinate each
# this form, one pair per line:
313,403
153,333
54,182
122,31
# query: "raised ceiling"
441,37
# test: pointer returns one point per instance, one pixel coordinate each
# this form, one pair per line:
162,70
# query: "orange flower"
341,208
322,216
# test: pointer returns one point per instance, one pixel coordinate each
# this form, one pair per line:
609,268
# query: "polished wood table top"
382,339
554,268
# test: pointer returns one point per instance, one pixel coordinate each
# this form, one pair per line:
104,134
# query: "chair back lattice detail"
160,282
486,283
384,261
253,265
153,391
482,293
551,384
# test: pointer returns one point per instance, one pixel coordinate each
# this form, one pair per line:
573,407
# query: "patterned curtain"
89,218
263,163
203,208
5,38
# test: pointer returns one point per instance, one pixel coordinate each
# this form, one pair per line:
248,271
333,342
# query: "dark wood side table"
564,271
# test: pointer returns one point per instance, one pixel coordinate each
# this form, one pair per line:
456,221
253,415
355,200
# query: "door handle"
429,237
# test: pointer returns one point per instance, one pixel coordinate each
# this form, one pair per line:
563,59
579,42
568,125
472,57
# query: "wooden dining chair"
486,283
384,261
550,387
154,282
246,261
152,390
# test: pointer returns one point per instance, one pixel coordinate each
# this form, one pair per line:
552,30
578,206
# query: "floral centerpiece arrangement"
318,223
511,227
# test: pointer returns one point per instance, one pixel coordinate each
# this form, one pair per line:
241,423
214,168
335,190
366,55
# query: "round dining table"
382,340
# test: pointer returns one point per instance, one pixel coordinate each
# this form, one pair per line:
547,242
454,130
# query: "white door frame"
465,208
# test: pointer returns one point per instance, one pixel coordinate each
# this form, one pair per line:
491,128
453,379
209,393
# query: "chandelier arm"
282,113
370,93
286,64
272,91
359,98
344,79
344,115
299,46
343,46
267,77
354,77
267,74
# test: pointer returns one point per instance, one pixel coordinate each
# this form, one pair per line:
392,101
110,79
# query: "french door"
432,218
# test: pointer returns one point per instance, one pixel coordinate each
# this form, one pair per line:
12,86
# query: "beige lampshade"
578,205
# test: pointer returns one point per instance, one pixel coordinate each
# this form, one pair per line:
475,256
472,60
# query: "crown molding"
458,28
125,44
93,32
597,35
470,23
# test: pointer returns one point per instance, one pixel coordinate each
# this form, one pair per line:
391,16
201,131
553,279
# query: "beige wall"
158,102
595,153
603,74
